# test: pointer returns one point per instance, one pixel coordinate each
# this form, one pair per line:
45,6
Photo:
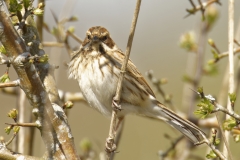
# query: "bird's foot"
116,106
110,146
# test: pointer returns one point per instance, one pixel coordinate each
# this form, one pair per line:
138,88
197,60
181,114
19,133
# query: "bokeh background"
155,46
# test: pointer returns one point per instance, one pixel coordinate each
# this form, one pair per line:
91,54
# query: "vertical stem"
39,23
121,76
226,150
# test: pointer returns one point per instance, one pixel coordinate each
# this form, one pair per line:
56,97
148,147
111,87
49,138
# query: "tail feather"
190,130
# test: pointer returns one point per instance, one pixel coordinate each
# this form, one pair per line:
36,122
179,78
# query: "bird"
96,65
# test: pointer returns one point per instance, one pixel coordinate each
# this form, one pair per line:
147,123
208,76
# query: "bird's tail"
186,127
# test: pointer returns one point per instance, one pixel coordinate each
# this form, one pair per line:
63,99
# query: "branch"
70,96
172,147
54,129
24,124
5,153
225,110
15,83
202,6
74,36
157,83
53,44
213,147
224,54
226,150
116,99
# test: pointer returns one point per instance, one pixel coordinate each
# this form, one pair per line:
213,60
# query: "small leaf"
73,18
211,42
13,113
3,50
26,3
85,145
217,141
205,108
8,129
68,104
41,5
4,78
188,41
211,155
43,59
14,6
38,12
16,129
232,97
71,29
215,54
187,78
210,69
229,124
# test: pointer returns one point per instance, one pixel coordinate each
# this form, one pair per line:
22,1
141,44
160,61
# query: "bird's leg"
116,105
120,119
110,143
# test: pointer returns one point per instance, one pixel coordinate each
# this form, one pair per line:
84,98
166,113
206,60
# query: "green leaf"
205,108
14,6
26,3
3,50
85,145
13,113
188,41
232,97
215,54
4,78
229,124
43,59
211,69
16,129
8,129
71,29
211,155
217,141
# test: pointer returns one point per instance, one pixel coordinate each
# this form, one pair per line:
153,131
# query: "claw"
115,105
110,147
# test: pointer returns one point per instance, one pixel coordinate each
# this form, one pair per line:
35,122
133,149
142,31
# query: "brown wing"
132,70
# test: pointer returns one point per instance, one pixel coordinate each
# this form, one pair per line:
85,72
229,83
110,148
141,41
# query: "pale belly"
98,86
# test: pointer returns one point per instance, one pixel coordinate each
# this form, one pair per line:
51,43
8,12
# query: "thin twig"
53,44
165,154
116,98
203,5
10,140
74,36
225,54
225,110
157,83
226,150
213,147
22,137
10,84
23,124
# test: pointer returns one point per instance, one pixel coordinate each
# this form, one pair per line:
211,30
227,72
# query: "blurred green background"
155,46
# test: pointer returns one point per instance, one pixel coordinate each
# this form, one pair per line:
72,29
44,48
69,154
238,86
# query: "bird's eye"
88,36
104,38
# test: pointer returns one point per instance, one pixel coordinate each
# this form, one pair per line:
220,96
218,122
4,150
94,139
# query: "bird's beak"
95,38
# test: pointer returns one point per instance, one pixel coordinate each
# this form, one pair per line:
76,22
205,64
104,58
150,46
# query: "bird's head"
98,37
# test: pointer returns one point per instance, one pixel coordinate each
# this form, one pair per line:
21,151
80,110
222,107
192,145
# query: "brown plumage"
96,66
